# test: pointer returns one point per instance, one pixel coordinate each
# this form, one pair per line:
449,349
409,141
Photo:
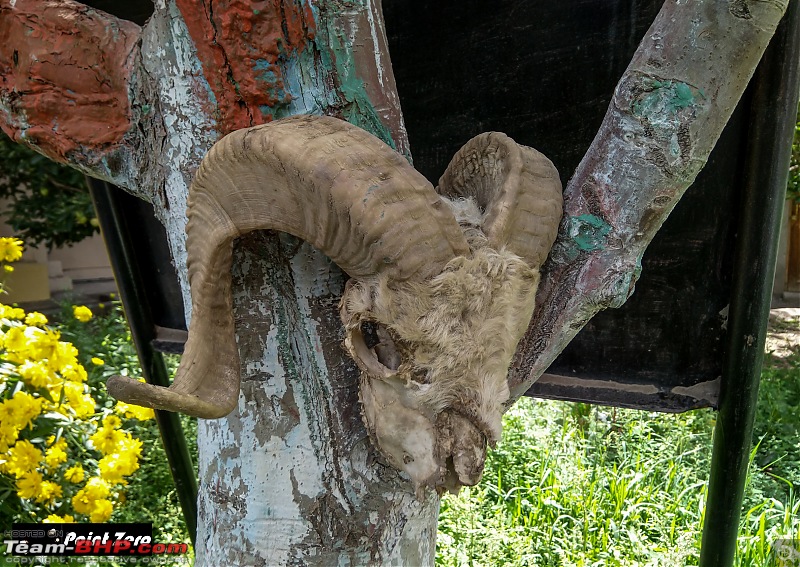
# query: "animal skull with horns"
442,287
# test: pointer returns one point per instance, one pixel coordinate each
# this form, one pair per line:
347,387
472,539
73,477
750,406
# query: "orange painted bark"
64,75
240,46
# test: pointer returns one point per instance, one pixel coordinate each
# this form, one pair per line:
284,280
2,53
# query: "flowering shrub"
82,313
66,451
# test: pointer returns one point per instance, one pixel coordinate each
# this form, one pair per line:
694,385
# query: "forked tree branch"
667,113
327,499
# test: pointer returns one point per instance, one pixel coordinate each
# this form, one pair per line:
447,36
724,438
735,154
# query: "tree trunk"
293,463
290,477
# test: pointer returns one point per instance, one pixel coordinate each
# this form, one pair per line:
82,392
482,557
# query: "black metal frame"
772,119
117,233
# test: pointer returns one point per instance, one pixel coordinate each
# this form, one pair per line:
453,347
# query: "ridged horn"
321,179
517,189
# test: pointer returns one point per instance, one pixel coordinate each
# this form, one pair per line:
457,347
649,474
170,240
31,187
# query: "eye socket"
374,350
369,330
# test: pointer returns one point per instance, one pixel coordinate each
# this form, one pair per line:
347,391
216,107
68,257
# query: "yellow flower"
82,313
81,502
7,312
13,313
24,342
80,402
48,492
56,454
20,410
35,318
37,374
65,354
111,421
97,488
10,249
29,485
15,339
106,439
56,519
22,458
8,436
115,466
84,501
8,268
136,412
102,511
54,390
42,342
98,361
111,469
130,446
74,474
74,372
124,461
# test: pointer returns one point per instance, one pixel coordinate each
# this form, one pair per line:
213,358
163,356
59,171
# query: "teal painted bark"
324,80
586,233
291,476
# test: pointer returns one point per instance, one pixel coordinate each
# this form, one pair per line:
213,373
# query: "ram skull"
442,284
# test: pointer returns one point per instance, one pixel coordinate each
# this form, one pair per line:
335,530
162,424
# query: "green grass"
579,485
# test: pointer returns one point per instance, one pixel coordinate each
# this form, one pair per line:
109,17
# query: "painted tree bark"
666,115
290,476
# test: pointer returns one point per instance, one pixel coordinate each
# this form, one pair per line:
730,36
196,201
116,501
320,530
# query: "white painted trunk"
290,477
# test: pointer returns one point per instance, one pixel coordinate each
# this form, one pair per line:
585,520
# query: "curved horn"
517,189
320,179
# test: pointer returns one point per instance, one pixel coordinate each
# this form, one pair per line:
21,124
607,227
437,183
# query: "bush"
793,189
150,494
68,452
49,203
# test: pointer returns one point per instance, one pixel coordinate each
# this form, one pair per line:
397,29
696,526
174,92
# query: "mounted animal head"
442,285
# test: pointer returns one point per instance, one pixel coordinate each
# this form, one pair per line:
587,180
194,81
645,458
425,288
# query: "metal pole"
138,314
773,110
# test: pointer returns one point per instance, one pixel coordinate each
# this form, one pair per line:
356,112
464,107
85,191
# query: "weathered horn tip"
138,393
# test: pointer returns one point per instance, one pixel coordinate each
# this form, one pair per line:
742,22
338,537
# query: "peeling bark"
244,75
293,464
